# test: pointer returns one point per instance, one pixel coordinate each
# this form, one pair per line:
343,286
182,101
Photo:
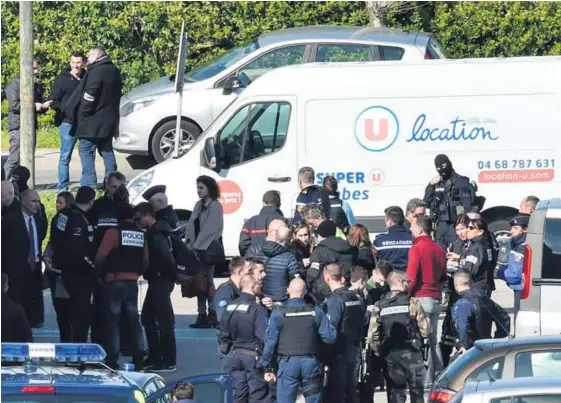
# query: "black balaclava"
443,166
19,176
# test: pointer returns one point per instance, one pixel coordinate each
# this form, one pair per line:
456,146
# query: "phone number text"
516,164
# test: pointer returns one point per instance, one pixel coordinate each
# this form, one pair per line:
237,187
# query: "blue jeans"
203,297
295,372
121,298
67,143
87,150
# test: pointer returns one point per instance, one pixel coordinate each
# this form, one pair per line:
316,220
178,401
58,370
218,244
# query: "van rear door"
550,279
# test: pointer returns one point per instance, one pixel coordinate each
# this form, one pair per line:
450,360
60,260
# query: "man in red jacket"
426,270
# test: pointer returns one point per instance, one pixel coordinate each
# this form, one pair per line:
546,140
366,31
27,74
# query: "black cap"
327,229
519,219
152,191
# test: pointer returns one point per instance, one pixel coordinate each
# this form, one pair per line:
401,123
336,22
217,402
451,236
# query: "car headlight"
139,396
136,105
138,185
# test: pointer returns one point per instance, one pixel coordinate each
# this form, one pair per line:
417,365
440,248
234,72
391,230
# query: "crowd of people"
86,108
311,303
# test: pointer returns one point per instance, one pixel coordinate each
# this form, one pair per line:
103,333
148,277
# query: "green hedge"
142,37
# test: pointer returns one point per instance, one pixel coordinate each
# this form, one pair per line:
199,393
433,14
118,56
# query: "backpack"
187,263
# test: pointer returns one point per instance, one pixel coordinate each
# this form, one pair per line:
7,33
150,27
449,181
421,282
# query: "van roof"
549,204
342,33
333,80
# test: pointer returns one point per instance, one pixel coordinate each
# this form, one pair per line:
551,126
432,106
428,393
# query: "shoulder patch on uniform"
243,307
316,265
231,308
61,222
517,256
222,303
89,97
353,303
489,254
132,238
297,314
77,231
472,259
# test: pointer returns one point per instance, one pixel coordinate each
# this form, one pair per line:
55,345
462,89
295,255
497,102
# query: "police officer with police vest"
346,313
448,195
295,333
241,338
73,249
121,259
397,329
230,290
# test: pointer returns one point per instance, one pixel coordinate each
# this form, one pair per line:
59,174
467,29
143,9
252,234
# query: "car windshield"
221,62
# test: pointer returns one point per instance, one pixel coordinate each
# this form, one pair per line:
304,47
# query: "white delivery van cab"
540,311
377,127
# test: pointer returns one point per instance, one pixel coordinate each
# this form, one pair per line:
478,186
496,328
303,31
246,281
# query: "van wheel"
501,229
163,141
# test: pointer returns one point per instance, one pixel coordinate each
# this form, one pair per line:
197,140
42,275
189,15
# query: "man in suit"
22,238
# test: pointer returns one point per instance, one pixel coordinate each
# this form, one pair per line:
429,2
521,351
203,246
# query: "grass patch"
47,137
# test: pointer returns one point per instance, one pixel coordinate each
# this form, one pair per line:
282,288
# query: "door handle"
279,179
546,281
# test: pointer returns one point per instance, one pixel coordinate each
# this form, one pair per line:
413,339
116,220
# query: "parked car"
215,388
494,359
148,112
528,390
540,312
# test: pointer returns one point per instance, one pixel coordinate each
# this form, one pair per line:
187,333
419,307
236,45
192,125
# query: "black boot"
201,322
212,319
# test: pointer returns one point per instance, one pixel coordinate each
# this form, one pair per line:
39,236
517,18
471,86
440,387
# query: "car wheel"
163,141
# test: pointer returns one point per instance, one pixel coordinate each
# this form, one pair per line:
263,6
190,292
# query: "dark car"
494,359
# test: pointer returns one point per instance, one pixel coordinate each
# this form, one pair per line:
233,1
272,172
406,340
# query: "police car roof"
57,375
401,79
488,344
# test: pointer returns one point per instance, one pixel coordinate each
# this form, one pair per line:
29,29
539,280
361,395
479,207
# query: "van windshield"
551,256
221,62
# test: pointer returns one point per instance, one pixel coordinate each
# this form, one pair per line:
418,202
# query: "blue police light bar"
53,352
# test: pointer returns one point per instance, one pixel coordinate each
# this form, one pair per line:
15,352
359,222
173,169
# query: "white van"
540,311
377,127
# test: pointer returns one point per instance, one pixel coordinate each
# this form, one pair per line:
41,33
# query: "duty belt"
246,351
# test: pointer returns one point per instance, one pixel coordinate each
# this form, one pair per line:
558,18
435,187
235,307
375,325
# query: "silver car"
527,390
148,112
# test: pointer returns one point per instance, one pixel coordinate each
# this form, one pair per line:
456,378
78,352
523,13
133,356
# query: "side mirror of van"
209,152
232,83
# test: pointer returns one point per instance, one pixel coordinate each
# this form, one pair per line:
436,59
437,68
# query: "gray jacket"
14,105
211,224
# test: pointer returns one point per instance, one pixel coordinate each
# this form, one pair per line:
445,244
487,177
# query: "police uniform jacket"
313,194
72,244
397,322
450,198
225,293
15,327
330,250
337,213
254,230
243,325
296,330
393,246
512,272
478,260
473,316
346,313
103,215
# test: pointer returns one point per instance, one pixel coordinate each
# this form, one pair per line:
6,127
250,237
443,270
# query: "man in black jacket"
330,250
14,107
15,327
96,114
254,230
62,89
156,196
157,312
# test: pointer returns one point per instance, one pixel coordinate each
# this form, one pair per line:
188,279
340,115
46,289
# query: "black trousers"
80,292
157,317
63,309
27,290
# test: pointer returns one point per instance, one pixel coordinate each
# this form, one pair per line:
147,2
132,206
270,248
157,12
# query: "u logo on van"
376,128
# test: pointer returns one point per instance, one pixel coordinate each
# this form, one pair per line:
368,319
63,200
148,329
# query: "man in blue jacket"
474,314
393,246
281,266
295,333
512,272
